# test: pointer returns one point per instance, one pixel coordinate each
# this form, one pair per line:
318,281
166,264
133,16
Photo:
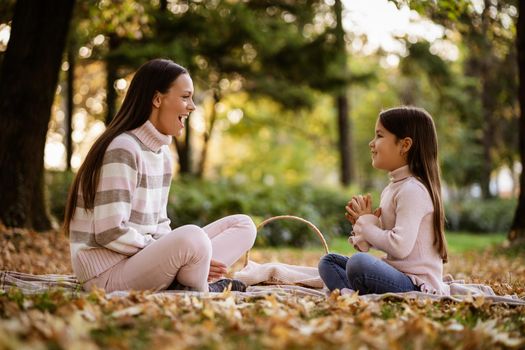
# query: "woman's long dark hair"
417,124
153,76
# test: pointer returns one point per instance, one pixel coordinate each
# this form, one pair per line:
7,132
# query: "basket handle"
274,218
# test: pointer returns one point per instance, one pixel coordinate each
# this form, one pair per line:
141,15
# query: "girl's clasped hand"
360,205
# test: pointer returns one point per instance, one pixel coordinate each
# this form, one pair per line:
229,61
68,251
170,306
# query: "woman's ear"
157,99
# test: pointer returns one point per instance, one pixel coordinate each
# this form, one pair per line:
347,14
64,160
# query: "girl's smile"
388,153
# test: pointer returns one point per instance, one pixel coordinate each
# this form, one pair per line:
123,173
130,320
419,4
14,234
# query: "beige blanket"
279,273
300,281
284,275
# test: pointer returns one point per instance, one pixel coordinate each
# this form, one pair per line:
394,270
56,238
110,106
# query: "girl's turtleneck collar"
151,137
400,173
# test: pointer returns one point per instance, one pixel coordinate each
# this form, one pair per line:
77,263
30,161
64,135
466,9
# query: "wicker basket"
296,218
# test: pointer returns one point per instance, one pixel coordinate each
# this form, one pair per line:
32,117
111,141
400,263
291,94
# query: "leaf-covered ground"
144,320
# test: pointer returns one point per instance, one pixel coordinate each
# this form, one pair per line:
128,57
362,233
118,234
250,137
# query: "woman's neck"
151,137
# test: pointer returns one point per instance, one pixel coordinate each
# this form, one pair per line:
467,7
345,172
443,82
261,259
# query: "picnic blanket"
37,284
278,273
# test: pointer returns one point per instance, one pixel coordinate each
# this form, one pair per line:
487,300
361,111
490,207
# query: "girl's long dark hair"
417,124
153,76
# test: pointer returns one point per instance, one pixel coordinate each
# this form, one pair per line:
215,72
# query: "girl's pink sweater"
405,231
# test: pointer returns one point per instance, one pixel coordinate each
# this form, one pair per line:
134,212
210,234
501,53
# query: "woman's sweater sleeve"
411,204
163,225
117,185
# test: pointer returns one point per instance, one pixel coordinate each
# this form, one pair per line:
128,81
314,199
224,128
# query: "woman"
116,214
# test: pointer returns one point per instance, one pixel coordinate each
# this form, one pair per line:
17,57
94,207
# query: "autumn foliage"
143,320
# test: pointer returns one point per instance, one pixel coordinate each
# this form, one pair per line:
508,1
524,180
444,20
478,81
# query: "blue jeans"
363,273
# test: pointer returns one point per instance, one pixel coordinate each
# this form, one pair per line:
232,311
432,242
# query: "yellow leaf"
208,313
130,311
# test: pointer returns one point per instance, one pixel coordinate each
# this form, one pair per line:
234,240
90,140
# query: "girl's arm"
359,206
112,211
412,205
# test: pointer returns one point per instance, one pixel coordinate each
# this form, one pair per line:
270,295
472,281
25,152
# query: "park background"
287,96
287,93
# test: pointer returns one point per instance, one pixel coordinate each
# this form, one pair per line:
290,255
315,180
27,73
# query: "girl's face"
388,153
172,108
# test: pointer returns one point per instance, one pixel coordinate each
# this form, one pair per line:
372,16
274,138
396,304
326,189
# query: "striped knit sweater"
130,203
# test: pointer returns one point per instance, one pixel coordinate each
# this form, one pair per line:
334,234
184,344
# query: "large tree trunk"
343,121
28,79
517,232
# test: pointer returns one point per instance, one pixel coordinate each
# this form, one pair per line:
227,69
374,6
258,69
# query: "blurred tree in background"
28,79
288,94
223,46
488,37
492,35
517,232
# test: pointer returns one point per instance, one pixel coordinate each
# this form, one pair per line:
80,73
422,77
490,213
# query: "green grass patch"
458,242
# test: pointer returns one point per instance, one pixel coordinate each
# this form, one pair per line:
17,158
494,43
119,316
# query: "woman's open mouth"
182,118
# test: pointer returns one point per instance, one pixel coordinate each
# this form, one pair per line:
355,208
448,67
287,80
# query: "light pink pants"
184,254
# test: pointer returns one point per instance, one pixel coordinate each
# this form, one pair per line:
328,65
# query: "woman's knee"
191,238
249,229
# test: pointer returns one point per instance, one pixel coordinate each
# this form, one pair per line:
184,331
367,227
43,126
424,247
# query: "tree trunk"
343,121
184,150
207,136
517,232
183,146
111,77
487,103
68,123
28,80
488,137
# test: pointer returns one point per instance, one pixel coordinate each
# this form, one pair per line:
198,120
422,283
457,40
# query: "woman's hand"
217,270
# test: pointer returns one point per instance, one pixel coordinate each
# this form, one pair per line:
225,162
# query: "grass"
458,242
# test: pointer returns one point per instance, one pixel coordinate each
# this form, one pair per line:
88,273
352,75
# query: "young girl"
409,226
116,215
